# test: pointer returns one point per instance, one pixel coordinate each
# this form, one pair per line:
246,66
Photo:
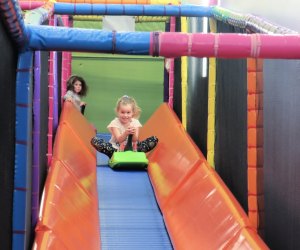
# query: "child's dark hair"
70,84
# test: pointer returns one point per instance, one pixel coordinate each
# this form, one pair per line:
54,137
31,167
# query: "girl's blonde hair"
125,100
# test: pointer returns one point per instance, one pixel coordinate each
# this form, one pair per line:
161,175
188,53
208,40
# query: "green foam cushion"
128,160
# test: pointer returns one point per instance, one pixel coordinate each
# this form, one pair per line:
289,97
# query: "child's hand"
82,104
131,130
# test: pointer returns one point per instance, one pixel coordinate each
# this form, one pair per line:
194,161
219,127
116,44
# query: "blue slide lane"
129,215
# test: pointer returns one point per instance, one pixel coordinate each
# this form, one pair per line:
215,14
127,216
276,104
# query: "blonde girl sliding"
126,123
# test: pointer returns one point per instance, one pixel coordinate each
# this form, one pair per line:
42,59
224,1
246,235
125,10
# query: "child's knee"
148,144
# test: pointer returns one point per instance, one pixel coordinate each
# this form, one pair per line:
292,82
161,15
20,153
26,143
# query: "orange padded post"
255,144
69,216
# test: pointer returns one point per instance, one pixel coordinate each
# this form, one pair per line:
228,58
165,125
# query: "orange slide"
69,217
198,209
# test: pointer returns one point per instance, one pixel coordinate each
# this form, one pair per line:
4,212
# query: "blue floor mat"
129,215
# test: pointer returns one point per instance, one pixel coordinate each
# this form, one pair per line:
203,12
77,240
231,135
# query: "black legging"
106,147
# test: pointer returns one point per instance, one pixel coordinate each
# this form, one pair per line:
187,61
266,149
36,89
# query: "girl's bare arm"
121,137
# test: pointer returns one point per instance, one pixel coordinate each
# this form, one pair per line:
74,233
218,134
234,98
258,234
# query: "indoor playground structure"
224,174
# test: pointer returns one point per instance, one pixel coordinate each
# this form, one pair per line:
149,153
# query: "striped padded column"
255,144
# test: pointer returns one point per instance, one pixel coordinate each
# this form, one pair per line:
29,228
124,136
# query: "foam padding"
79,126
128,160
69,217
174,156
199,210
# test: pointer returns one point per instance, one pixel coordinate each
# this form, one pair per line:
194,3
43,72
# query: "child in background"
76,88
126,123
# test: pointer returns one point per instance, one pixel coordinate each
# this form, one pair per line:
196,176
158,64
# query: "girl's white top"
76,98
115,123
